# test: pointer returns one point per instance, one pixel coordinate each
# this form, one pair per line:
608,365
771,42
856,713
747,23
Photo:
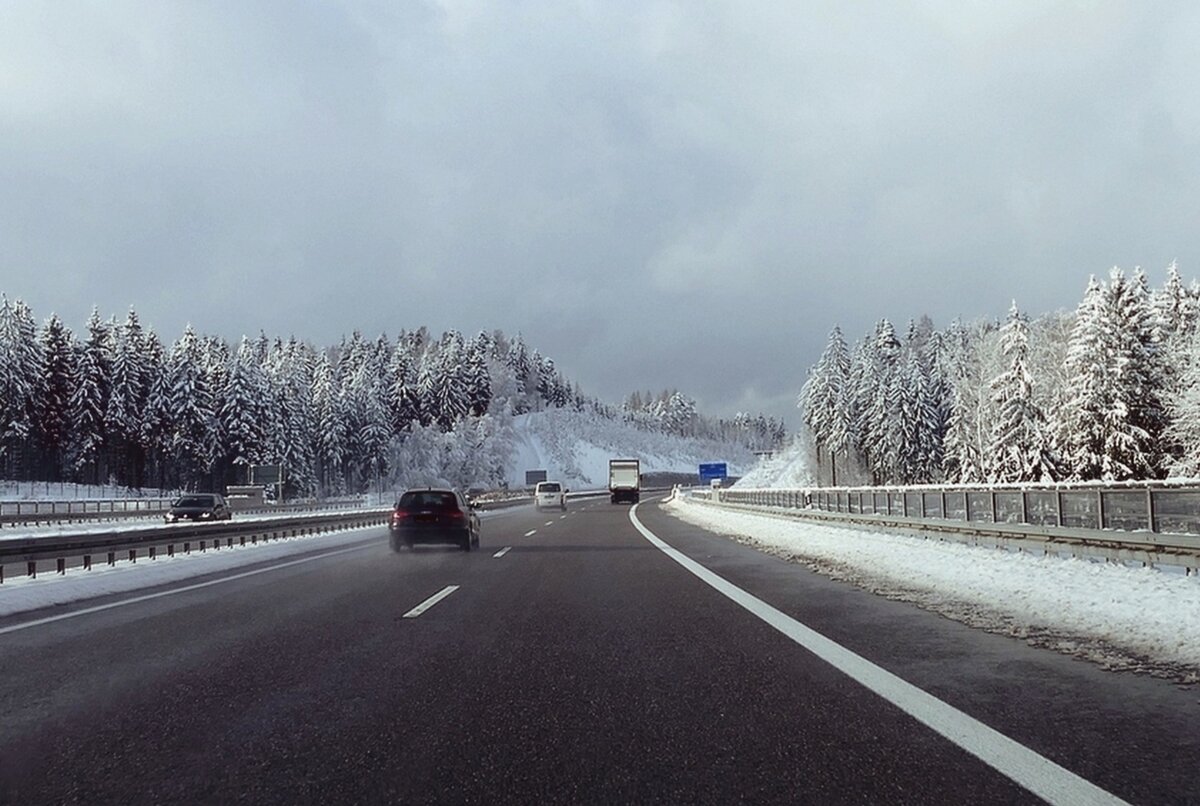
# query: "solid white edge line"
1038,774
196,586
431,601
502,551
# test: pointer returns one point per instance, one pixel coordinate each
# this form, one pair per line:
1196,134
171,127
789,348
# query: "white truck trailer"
624,480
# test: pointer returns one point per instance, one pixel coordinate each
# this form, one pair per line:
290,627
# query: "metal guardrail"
1152,523
133,543
26,513
15,512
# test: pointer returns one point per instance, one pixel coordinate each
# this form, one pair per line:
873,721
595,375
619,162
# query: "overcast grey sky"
656,194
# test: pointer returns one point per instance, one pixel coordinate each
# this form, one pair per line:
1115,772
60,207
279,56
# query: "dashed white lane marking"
548,523
431,601
1038,774
531,533
197,586
503,551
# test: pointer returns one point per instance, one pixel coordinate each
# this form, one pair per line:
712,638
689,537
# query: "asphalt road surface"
570,660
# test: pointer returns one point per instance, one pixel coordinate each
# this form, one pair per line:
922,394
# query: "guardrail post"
60,565
87,562
1150,519
153,552
1058,507
133,555
1099,509
945,514
992,496
201,546
170,549
112,558
187,547
31,570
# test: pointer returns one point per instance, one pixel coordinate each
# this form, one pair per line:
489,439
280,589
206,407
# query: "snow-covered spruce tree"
448,389
193,420
295,372
918,421
937,410
1020,448
858,397
824,398
157,418
1183,432
476,376
127,399
19,365
962,459
1083,419
52,412
1145,379
885,427
1111,371
89,401
403,395
329,435
241,415
519,363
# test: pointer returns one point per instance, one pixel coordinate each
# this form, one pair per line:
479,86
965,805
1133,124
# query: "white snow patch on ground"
1121,617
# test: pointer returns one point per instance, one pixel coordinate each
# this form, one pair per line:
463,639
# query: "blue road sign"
713,470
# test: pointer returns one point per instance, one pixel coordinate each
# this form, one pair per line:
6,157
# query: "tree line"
117,404
1110,391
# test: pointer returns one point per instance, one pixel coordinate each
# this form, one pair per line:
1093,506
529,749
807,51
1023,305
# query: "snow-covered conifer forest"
1109,391
117,404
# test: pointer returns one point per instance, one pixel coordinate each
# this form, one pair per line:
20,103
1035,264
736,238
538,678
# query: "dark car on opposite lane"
434,516
199,507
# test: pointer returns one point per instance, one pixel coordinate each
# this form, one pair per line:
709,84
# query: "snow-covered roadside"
1126,618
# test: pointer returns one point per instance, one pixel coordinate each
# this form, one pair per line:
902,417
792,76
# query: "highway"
571,660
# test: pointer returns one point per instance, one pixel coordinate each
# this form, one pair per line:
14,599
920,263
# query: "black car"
199,507
434,516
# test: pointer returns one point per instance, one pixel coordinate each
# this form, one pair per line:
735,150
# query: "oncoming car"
433,516
549,494
199,507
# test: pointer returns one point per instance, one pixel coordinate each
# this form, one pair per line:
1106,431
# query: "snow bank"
1128,618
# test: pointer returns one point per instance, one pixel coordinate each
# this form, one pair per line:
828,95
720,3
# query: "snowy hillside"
575,447
790,467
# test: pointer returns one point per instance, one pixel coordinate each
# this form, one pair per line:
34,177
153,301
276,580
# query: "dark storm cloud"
656,194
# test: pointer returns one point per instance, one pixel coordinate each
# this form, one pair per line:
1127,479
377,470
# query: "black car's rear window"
431,499
194,501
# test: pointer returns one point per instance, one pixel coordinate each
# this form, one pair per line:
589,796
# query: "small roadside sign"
713,470
532,477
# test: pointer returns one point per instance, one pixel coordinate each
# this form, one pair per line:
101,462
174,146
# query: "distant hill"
575,447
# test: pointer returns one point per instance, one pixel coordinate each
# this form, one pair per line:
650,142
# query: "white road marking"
431,601
531,533
1038,774
503,551
548,523
147,597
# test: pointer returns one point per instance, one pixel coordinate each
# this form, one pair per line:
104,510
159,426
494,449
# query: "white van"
550,494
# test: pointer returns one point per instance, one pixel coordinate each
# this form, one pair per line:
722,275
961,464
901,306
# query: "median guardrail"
134,543
33,513
1153,523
